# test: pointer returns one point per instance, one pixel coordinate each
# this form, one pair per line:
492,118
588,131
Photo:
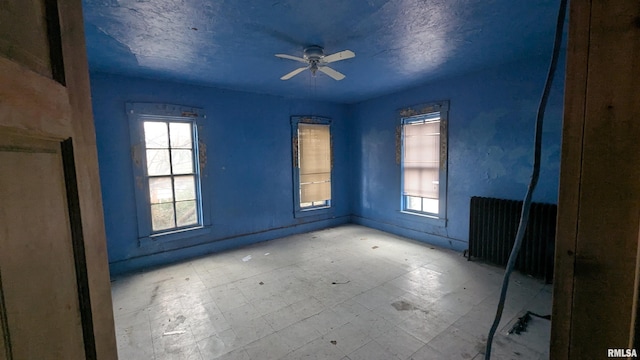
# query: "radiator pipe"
526,205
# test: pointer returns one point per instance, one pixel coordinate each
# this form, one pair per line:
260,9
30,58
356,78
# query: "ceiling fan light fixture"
314,68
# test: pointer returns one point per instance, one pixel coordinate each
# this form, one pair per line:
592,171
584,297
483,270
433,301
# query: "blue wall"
248,170
249,174
491,127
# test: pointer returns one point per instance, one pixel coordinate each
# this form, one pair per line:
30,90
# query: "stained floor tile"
371,351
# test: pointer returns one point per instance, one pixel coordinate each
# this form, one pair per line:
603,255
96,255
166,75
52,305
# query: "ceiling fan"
316,60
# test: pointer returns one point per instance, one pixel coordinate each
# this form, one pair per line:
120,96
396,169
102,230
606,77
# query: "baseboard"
236,241
437,240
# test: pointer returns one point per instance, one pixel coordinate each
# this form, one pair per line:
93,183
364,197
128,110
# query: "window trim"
314,210
138,113
421,113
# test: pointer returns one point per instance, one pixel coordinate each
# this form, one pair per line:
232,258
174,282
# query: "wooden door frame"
599,198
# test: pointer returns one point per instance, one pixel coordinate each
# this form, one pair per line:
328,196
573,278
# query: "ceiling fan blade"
285,56
342,55
293,73
329,71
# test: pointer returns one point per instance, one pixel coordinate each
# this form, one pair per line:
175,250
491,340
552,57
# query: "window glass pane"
430,205
160,190
155,134
421,181
421,159
315,187
414,203
182,161
186,213
185,188
312,192
181,135
314,145
162,216
158,162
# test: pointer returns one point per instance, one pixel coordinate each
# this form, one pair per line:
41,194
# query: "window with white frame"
171,174
312,163
166,167
424,160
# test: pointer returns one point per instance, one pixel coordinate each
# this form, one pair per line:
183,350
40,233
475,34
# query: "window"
171,174
166,168
424,160
312,164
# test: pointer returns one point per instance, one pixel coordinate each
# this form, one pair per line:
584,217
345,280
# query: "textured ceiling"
231,43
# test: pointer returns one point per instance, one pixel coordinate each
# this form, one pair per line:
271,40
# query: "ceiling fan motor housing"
313,53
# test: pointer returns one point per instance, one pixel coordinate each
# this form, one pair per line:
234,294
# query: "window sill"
431,219
173,235
325,210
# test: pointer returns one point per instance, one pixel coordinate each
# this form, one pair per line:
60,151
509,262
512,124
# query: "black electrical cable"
523,321
526,206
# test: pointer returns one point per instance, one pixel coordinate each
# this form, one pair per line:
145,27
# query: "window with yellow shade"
424,161
312,164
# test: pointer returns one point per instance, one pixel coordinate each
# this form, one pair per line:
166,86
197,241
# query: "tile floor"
345,293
